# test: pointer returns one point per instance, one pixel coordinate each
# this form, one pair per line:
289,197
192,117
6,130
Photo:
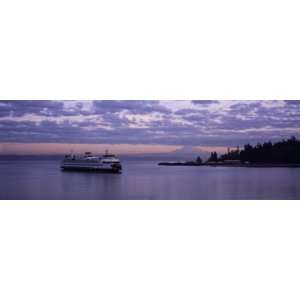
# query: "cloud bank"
186,123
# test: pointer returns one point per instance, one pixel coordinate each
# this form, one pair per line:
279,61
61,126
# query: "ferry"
107,163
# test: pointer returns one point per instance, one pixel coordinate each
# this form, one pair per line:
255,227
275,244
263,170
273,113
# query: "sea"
42,178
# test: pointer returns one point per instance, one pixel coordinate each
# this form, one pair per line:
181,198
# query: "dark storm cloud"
205,102
46,108
244,108
22,107
186,111
134,106
46,131
66,132
56,108
115,120
203,117
292,102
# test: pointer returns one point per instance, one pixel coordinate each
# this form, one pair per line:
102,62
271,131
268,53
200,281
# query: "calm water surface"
43,179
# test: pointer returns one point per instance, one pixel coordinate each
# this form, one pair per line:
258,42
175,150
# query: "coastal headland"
283,154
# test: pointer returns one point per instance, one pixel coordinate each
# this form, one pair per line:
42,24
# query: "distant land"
283,153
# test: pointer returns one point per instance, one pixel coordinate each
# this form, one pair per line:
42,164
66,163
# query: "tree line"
285,151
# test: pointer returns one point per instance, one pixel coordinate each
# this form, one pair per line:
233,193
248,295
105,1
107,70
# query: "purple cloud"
148,122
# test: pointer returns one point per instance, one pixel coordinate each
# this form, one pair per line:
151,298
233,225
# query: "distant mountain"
190,151
184,153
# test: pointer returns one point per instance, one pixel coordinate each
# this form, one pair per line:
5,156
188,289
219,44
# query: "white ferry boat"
88,162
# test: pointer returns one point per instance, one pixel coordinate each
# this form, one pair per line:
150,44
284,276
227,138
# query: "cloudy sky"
142,126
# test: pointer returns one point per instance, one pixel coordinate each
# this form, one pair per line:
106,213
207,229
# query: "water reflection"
146,180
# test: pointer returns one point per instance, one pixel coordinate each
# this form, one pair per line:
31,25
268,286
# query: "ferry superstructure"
107,163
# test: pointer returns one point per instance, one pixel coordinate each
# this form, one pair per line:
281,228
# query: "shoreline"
240,165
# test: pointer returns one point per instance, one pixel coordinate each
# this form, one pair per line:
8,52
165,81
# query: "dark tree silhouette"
231,155
285,151
199,160
213,157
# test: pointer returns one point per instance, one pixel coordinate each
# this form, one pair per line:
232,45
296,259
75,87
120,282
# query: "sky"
138,126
